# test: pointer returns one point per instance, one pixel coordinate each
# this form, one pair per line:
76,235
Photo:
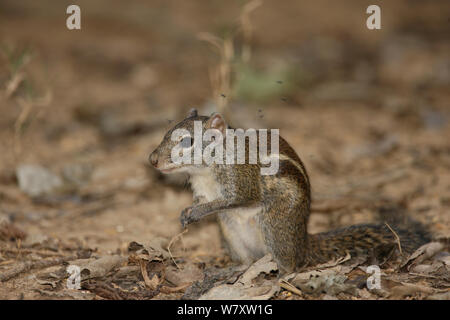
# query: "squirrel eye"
186,142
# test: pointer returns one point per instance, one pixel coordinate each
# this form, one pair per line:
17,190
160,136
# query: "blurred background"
367,111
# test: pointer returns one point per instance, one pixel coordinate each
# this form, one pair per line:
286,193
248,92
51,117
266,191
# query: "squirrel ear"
216,121
192,113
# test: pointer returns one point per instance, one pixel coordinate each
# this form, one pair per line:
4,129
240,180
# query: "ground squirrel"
260,214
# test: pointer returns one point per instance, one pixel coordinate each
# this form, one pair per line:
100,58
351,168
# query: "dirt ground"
367,111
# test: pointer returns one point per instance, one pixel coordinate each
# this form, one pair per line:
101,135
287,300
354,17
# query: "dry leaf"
188,274
243,289
241,292
408,289
68,294
424,252
100,267
263,265
154,249
440,296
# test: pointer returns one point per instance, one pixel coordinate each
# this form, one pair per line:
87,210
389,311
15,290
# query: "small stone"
36,180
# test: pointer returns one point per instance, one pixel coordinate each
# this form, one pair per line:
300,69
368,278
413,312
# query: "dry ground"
366,110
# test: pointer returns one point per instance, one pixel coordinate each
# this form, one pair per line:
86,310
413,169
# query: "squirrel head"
182,136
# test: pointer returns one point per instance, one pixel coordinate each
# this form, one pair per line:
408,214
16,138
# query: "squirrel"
260,214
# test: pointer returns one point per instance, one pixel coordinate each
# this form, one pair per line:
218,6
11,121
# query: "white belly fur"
241,230
240,226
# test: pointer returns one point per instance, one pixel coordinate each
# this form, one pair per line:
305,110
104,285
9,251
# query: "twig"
6,262
423,275
167,290
396,237
27,251
170,244
14,83
27,266
154,282
247,27
220,76
108,291
289,287
91,209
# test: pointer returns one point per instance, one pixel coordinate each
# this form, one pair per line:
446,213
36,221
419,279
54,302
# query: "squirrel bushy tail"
376,240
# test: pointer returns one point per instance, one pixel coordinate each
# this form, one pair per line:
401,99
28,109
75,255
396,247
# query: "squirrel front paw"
187,216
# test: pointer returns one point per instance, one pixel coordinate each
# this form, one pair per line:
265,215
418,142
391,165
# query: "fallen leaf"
154,248
408,289
100,267
440,296
188,274
424,252
263,265
243,288
241,292
68,294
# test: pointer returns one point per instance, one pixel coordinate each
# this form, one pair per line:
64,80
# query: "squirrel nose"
153,158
